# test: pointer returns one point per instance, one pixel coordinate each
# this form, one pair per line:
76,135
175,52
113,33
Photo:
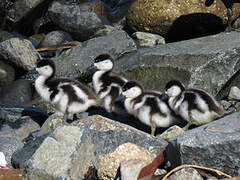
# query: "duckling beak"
91,67
164,97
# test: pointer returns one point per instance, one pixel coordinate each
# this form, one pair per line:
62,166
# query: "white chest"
42,89
97,83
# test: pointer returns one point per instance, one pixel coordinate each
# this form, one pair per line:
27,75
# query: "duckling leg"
153,129
64,120
187,126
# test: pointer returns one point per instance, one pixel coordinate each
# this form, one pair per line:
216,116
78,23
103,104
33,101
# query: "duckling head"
174,88
104,62
132,89
46,67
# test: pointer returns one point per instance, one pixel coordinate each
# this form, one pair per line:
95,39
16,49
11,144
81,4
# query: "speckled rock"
75,150
147,39
20,52
109,163
206,63
130,169
55,38
186,173
8,145
19,129
214,145
73,62
157,16
81,24
234,93
171,132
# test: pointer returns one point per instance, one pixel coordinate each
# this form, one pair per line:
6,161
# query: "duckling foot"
187,126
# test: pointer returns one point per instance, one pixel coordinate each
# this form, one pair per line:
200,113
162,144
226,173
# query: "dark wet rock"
205,63
7,74
18,92
22,14
75,61
71,18
19,129
75,150
186,173
55,38
214,145
11,113
4,35
233,81
8,146
21,156
19,52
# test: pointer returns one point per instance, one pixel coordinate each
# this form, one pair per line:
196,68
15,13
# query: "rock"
104,31
17,93
52,122
4,35
212,145
205,63
109,163
130,169
234,80
234,93
147,39
21,156
171,132
20,52
11,113
55,38
236,23
8,146
81,24
19,129
186,173
158,16
73,62
75,150
7,74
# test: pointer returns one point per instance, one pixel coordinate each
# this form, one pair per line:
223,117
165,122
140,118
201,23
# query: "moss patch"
155,78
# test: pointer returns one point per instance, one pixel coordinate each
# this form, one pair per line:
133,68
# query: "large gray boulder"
215,145
206,62
70,151
73,19
75,61
19,52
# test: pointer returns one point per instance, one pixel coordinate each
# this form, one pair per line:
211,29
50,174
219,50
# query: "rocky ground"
98,145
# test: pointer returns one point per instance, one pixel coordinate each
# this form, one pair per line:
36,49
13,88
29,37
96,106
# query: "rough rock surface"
20,52
214,145
75,150
19,129
71,18
206,63
147,39
11,113
75,61
7,74
186,173
157,16
8,146
55,38
18,92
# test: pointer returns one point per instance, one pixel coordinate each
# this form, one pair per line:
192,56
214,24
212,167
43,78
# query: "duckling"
194,105
106,86
68,96
228,4
3,162
150,107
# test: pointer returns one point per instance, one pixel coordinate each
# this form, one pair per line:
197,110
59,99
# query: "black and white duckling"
68,96
106,86
150,107
194,105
